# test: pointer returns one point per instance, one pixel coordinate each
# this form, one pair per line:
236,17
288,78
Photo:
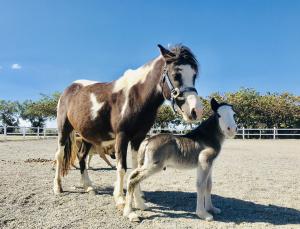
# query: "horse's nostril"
228,128
194,114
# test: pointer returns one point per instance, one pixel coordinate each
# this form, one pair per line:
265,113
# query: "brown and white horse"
124,110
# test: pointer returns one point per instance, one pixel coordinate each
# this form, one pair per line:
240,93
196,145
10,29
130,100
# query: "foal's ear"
214,104
167,54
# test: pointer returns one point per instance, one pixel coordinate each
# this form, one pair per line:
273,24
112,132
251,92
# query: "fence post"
38,132
243,131
5,132
44,132
24,132
274,132
260,134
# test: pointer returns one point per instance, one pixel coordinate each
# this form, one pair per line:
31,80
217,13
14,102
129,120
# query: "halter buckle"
175,93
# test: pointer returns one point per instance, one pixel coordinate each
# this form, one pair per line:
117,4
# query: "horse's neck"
149,88
209,133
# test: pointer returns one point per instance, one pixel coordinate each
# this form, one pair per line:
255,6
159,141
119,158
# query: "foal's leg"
121,152
208,203
134,147
82,154
204,166
89,158
134,180
103,156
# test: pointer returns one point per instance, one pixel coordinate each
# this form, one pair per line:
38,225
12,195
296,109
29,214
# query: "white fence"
15,133
245,133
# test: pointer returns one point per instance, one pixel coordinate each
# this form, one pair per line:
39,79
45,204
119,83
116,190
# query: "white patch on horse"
85,82
188,74
96,106
131,78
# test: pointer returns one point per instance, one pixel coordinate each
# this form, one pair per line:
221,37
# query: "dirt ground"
256,183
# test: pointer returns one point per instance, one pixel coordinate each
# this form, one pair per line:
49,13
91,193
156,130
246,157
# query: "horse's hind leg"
64,129
57,188
82,154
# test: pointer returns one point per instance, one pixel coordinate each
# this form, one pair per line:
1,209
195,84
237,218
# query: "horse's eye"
177,77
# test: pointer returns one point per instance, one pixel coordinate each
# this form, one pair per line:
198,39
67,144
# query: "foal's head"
180,73
226,117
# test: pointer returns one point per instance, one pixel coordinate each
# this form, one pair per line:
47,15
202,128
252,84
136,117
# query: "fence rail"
12,133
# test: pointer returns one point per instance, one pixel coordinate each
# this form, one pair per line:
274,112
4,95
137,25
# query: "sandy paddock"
256,183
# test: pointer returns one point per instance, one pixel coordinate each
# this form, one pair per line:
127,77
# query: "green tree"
37,112
9,113
164,116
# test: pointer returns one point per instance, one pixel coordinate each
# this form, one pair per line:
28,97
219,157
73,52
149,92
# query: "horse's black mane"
183,55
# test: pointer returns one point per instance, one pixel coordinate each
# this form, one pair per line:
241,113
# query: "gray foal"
197,149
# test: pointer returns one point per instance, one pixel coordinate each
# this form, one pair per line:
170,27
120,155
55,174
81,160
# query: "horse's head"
225,115
179,75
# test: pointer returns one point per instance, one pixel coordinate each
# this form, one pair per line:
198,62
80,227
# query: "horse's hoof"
57,190
133,217
92,192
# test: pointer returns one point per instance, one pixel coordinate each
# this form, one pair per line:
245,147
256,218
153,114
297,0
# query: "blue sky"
45,45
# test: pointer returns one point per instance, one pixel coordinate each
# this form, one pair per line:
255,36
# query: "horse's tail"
67,156
142,152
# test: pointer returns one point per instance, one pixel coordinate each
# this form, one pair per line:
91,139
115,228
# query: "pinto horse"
124,110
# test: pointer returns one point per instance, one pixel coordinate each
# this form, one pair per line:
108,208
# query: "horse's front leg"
121,152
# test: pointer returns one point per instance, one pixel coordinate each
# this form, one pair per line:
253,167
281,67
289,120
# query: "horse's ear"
167,54
214,104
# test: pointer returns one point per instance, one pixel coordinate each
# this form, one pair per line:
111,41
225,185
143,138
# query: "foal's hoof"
215,210
133,217
142,206
205,215
120,207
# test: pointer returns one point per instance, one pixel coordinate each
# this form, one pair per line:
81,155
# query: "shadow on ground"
233,210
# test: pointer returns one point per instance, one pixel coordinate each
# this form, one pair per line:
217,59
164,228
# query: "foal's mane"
183,55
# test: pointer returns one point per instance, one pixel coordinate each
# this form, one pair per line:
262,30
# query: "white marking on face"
131,78
96,106
192,101
85,82
226,121
187,73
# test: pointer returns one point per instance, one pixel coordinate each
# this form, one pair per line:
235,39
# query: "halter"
175,91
